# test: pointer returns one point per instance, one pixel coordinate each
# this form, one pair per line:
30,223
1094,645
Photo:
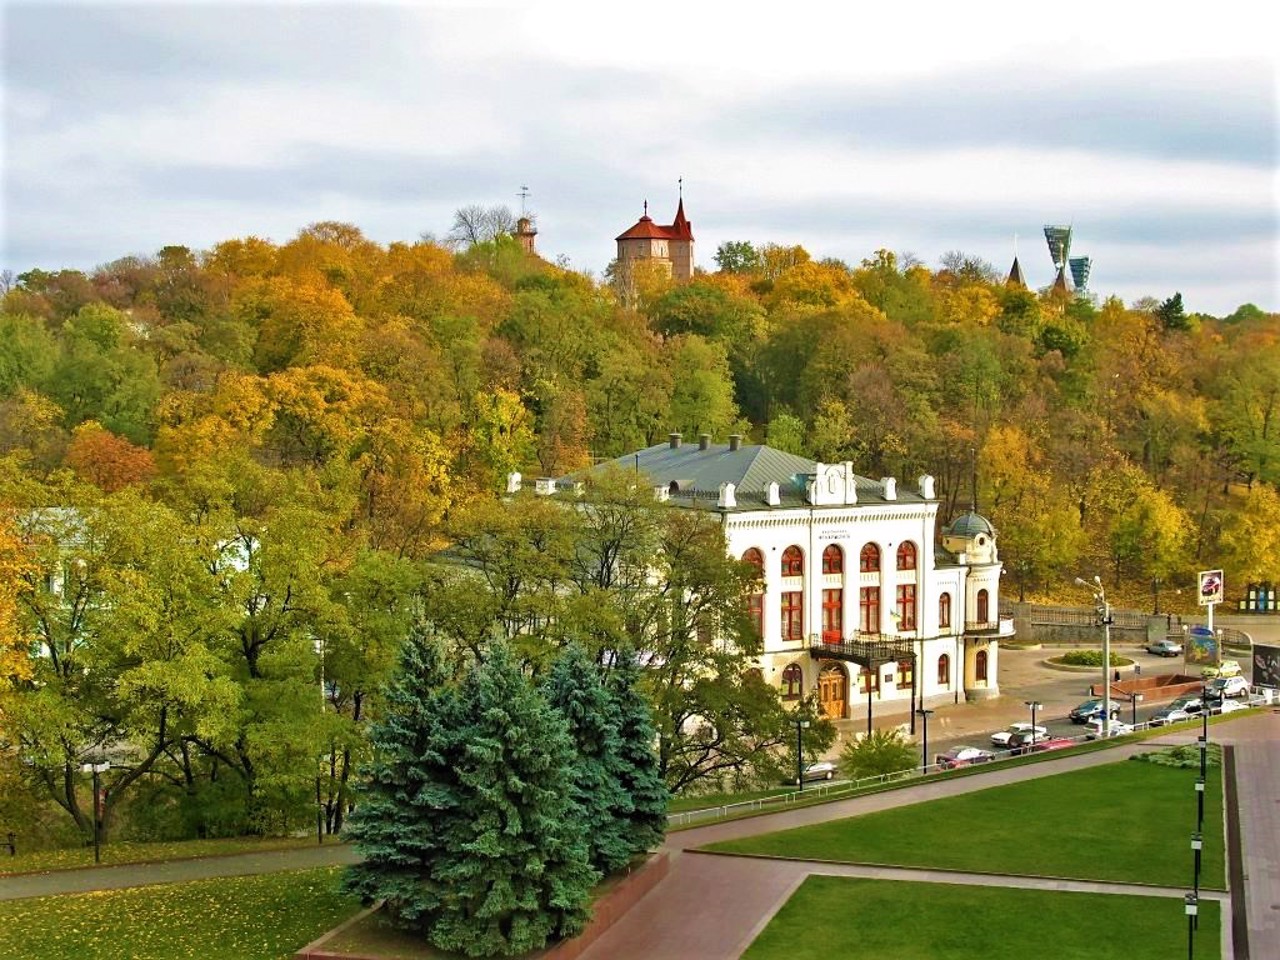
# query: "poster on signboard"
1266,666
1212,586
1201,648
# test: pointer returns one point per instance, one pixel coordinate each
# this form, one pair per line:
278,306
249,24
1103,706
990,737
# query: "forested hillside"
314,416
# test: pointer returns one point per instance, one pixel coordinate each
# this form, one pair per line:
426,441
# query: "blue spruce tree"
576,689
468,830
640,775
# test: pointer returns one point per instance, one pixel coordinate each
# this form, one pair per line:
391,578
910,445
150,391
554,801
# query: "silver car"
1165,648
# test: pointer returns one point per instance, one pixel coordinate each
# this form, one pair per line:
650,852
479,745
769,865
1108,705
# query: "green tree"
1171,314
639,774
489,857
880,753
575,688
737,256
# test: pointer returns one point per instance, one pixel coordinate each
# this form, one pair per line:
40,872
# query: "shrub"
1090,658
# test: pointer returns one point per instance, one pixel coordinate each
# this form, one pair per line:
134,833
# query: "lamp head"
1081,582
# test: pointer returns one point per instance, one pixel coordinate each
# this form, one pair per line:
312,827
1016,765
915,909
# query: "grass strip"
847,917
1127,822
265,917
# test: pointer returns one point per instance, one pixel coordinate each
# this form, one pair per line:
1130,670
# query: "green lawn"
266,917
925,921
1125,821
116,853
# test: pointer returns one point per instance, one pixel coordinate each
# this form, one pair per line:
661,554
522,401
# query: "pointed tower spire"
1016,278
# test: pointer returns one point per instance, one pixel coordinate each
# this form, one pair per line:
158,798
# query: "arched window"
792,681
980,666
755,599
983,607
869,559
907,556
906,606
792,562
944,670
944,610
833,560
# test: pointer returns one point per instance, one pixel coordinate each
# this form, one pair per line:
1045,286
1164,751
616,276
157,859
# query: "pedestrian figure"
1137,669
1117,676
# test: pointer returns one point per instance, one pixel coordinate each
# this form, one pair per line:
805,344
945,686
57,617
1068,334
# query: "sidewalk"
174,871
711,907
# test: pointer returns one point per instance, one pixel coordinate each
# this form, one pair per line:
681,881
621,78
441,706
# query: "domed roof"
970,525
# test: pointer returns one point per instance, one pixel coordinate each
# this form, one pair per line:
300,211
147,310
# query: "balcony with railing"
1002,626
866,649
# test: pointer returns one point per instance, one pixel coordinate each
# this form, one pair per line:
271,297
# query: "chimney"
544,486
704,441
926,486
772,495
890,488
728,497
735,441
674,440
850,483
513,483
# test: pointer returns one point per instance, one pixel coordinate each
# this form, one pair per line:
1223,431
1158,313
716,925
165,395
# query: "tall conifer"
576,688
640,775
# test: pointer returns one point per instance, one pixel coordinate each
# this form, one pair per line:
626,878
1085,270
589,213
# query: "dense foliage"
224,475
471,831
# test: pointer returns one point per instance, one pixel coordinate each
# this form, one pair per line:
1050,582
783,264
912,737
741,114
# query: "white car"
822,770
1228,706
1001,738
1228,687
1116,728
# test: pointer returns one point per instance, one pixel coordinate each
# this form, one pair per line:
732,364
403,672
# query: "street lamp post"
97,769
1136,699
924,743
1191,903
801,726
1104,611
1197,846
1034,705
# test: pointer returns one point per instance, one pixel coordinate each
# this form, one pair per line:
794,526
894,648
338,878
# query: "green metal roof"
699,473
970,524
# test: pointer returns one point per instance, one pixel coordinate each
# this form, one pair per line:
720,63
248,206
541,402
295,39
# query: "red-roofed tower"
669,246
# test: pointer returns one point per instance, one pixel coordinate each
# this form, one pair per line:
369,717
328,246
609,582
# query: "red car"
1053,743
962,757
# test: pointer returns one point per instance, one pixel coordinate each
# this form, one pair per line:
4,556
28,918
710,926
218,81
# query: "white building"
860,599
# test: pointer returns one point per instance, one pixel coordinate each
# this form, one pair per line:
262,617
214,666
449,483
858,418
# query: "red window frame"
793,562
793,615
833,559
869,558
792,681
906,606
832,615
869,609
906,556
944,670
980,666
944,610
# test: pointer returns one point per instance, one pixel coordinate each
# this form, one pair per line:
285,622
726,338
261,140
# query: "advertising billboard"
1212,587
1266,666
1201,648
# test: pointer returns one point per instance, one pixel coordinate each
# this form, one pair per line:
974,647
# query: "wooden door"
833,691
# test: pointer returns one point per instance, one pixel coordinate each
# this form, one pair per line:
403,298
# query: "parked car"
1001,738
1115,728
1228,706
1165,648
1092,708
962,757
1221,687
822,770
1052,743
1184,708
1227,668
1021,743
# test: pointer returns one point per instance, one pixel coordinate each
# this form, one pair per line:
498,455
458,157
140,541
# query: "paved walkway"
711,907
172,871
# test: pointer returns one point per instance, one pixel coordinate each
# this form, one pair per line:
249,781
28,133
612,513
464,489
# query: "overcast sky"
845,127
